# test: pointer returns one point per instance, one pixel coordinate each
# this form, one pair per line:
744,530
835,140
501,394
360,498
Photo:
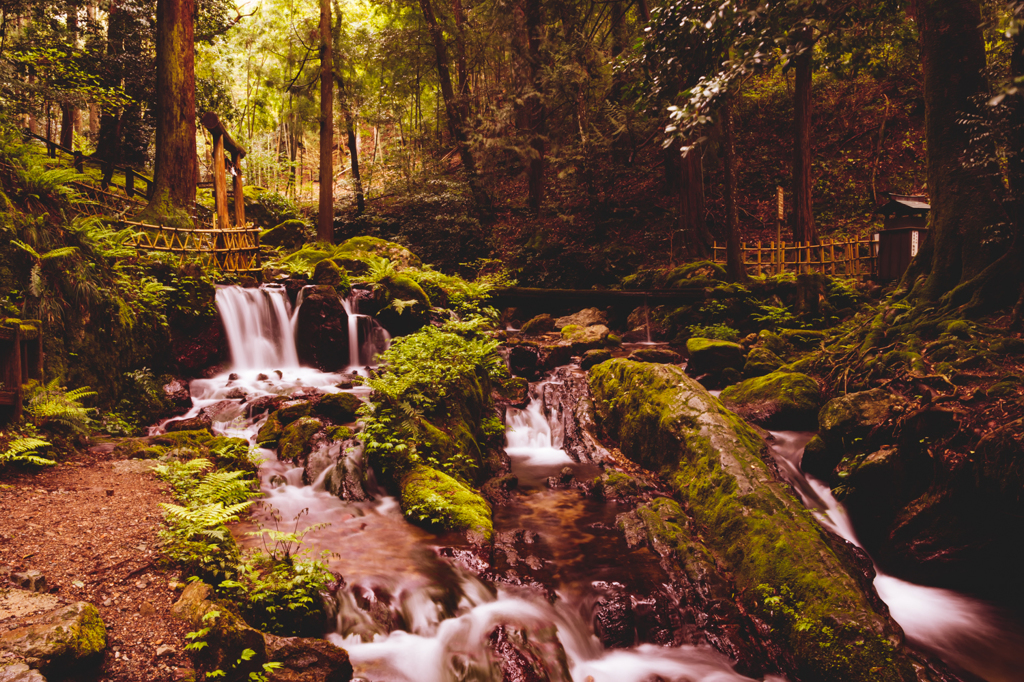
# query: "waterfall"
366,338
258,326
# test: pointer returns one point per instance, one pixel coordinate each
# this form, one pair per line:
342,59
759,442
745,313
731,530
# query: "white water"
258,326
963,631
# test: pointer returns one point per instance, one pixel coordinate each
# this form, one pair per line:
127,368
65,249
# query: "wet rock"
178,395
328,273
197,423
616,485
515,392
19,672
541,324
292,410
750,520
289,234
270,433
555,355
322,329
263,404
713,357
595,356
614,620
221,411
437,501
571,394
338,408
498,489
661,355
564,479
306,659
516,659
198,346
845,426
31,580
68,638
347,479
782,401
773,342
584,318
523,362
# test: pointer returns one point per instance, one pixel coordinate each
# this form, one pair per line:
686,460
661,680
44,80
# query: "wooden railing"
231,250
852,257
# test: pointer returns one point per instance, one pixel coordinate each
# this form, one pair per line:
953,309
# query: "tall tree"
734,255
535,107
176,165
325,222
803,214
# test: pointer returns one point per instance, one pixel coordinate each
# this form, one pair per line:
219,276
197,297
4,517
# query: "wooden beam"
220,187
212,123
236,161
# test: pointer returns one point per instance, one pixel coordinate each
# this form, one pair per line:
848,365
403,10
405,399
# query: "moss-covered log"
785,569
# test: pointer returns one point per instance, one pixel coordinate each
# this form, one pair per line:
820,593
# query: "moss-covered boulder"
848,418
760,361
437,501
327,272
663,355
297,439
357,253
290,234
322,329
595,356
773,342
785,569
294,409
339,408
584,318
583,339
1007,345
541,324
781,400
712,356
67,639
270,433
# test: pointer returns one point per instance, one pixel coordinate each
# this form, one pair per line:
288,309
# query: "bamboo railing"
851,257
231,250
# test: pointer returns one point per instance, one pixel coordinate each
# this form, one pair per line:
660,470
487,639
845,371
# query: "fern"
25,451
226,487
50,404
205,519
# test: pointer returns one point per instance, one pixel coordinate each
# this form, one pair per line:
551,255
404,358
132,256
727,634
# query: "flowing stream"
411,610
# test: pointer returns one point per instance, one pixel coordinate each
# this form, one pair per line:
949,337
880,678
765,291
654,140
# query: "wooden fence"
852,257
231,250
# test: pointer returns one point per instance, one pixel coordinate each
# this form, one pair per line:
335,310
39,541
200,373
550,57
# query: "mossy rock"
760,361
803,337
292,410
1007,345
585,338
65,640
903,359
516,390
712,356
700,273
1003,389
327,272
357,253
585,318
541,324
961,329
847,419
290,234
437,501
780,400
297,439
818,460
270,433
661,355
339,408
665,421
595,356
197,439
773,342
405,288
616,485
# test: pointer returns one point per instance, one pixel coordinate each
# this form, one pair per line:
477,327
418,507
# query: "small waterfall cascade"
258,326
366,338
963,631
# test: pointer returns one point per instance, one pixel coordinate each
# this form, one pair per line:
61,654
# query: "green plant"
774,317
721,332
25,450
51,405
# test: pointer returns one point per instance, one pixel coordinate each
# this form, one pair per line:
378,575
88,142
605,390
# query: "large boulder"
322,334
19,672
761,361
296,440
713,356
68,638
785,570
436,500
290,234
844,425
662,355
583,339
328,273
584,318
541,324
782,401
338,408
595,356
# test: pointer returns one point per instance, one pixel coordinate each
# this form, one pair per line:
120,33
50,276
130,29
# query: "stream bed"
418,607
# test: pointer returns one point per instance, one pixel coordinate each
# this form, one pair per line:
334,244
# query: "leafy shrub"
774,317
24,450
714,331
52,406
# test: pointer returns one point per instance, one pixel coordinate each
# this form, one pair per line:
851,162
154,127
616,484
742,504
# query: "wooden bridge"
217,240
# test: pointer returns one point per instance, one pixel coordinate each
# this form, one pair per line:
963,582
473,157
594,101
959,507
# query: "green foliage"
775,317
722,332
23,450
51,406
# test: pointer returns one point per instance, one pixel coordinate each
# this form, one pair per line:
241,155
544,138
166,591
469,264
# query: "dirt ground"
89,525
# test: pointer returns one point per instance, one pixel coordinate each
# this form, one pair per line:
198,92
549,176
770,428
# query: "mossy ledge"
784,569
434,498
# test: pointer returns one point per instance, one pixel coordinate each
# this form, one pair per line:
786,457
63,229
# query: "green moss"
340,408
961,329
184,439
595,356
290,233
340,433
761,361
541,324
1003,389
1007,345
357,253
270,433
904,359
406,288
296,439
777,400
699,345
296,410
667,422
433,499
90,637
327,272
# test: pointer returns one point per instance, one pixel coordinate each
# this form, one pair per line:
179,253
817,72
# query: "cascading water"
366,338
258,326
965,632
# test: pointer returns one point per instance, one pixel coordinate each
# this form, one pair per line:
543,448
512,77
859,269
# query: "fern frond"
225,487
24,451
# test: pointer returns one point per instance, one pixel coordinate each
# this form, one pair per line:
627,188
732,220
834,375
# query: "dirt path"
90,527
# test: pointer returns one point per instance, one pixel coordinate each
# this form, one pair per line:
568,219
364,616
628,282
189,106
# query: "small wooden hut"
903,231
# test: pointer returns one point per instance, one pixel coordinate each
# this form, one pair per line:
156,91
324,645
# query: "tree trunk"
353,151
457,112
176,170
536,110
619,37
692,221
803,215
964,201
734,256
325,221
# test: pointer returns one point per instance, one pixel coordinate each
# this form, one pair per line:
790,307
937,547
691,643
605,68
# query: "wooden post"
778,223
236,163
15,372
79,162
220,185
129,182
